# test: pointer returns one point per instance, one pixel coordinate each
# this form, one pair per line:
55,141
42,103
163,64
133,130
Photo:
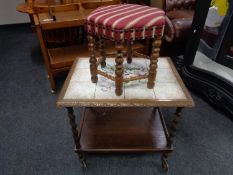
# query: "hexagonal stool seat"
124,23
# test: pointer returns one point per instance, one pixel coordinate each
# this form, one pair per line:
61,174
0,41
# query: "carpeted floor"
35,137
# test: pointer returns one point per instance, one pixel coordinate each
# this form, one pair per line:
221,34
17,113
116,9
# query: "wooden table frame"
163,144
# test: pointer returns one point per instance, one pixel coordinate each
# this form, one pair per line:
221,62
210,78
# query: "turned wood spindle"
93,60
30,6
119,69
102,52
153,63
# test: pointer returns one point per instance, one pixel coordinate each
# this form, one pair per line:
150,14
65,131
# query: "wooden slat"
64,19
64,56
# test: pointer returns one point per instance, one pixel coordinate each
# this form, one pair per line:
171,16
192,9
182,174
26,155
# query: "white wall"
8,13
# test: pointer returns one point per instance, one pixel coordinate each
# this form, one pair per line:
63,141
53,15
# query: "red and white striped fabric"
126,22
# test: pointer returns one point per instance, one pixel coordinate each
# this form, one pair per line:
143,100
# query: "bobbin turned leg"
153,62
119,69
102,52
93,60
129,52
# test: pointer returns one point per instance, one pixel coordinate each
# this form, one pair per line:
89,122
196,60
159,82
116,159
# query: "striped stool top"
126,22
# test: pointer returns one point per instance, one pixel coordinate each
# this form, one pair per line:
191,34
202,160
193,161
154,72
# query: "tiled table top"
169,90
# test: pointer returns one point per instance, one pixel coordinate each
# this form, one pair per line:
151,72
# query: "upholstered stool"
124,23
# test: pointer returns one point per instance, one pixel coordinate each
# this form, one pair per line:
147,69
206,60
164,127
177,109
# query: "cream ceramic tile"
80,90
165,76
138,61
168,91
166,86
138,90
162,62
105,89
110,61
83,63
81,75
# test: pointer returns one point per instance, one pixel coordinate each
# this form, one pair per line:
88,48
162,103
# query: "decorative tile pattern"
136,68
105,89
166,85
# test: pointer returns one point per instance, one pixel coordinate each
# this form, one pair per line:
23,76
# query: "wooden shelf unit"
123,130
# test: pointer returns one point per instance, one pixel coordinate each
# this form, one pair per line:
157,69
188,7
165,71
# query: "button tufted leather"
179,18
179,4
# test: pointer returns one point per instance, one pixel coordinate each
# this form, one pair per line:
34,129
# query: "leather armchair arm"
169,32
177,29
182,27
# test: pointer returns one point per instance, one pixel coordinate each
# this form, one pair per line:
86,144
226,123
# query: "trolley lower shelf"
123,130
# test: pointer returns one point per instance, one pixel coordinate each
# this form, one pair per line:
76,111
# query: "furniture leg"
164,162
102,52
52,83
153,62
129,52
172,131
76,136
93,60
119,69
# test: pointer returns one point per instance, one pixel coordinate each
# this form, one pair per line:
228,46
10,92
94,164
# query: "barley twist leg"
172,131
76,137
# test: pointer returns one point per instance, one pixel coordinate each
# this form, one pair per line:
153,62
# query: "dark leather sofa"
179,18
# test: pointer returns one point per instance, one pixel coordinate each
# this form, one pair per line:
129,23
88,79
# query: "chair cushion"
126,22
